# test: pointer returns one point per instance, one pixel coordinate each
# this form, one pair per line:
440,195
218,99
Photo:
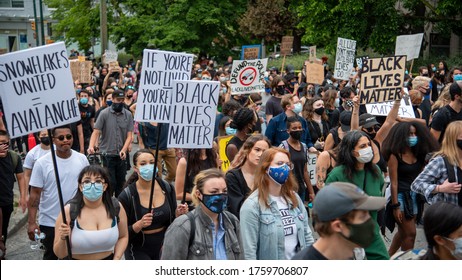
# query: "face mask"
130,69
434,69
84,101
230,131
147,172
361,234
109,102
457,252
365,155
349,103
412,141
268,90
281,90
117,107
215,202
223,79
459,144
129,96
297,134
45,141
371,135
319,110
297,108
224,90
457,77
206,78
293,83
405,84
92,191
337,102
406,72
279,174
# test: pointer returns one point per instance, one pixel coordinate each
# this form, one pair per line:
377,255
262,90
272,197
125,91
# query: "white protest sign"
311,165
248,76
384,108
110,56
37,90
160,68
344,59
409,45
193,114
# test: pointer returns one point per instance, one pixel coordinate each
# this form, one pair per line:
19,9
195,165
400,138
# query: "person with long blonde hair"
433,182
274,220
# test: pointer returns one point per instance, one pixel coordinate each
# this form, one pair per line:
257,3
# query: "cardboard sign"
81,58
345,58
110,56
409,45
286,45
312,51
81,71
160,68
384,108
222,142
311,165
382,79
251,52
37,90
193,113
248,76
314,73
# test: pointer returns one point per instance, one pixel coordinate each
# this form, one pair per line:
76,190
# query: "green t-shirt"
373,187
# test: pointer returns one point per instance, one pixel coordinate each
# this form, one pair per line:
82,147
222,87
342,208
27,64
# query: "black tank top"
407,173
382,163
160,217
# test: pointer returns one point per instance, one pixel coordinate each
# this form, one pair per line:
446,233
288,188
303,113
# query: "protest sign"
311,165
193,113
110,56
81,71
160,68
381,79
247,76
314,73
384,108
37,90
286,45
81,58
312,51
251,52
222,142
409,45
345,58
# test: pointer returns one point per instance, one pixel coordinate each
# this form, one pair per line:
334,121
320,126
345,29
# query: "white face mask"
365,155
337,102
297,108
457,252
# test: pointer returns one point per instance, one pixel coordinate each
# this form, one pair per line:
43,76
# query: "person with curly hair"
244,121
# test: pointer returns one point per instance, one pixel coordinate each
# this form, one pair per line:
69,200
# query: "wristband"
395,206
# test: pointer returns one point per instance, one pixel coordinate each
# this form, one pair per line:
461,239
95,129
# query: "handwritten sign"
193,114
251,52
81,71
314,73
160,68
222,142
311,165
37,90
247,76
110,56
287,44
381,79
409,45
345,58
312,51
384,108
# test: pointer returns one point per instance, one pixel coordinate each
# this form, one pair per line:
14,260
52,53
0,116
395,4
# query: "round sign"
248,76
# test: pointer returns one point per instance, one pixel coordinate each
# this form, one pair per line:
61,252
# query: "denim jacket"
176,240
263,232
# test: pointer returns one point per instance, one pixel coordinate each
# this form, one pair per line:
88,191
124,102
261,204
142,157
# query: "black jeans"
48,242
117,169
6,214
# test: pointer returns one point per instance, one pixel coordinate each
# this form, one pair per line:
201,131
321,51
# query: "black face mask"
371,135
459,144
45,141
319,111
117,107
297,134
281,90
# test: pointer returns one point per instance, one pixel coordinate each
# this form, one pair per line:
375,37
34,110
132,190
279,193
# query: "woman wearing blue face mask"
146,229
208,232
99,229
274,221
405,149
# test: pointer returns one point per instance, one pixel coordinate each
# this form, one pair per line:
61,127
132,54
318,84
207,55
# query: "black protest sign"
381,79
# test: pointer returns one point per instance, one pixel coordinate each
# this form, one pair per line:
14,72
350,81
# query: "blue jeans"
414,202
117,169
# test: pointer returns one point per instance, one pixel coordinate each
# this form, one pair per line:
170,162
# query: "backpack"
285,145
74,211
14,158
452,177
192,222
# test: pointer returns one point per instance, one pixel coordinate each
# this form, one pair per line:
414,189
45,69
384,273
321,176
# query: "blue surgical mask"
215,202
297,108
406,72
412,141
457,252
109,102
147,172
268,90
224,90
84,101
230,131
457,77
279,174
92,191
434,69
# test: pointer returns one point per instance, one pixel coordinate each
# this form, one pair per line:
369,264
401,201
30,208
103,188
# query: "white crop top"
93,241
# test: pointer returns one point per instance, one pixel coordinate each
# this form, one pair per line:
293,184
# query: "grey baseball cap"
338,198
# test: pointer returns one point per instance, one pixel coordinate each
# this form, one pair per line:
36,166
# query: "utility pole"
103,23
42,22
36,22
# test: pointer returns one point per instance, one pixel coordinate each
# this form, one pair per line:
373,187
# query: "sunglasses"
61,137
129,87
373,128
